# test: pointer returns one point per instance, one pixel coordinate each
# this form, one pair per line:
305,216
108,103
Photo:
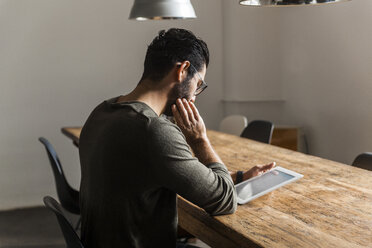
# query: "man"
134,162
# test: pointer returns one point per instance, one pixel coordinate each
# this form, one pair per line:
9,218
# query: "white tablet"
267,182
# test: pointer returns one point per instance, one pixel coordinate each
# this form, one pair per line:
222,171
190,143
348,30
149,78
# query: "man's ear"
182,70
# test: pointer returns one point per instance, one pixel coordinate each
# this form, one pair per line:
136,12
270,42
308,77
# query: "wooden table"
331,206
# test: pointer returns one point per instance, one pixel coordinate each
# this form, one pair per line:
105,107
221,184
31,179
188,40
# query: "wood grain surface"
331,206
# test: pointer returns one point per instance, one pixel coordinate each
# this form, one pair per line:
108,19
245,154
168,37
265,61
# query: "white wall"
326,60
252,73
251,65
317,59
58,60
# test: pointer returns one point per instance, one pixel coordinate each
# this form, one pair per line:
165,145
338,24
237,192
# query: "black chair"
364,161
68,196
71,237
259,131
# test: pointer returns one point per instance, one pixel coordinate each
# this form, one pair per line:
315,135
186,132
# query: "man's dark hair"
170,47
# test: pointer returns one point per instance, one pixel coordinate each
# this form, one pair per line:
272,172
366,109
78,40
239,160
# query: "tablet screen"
262,183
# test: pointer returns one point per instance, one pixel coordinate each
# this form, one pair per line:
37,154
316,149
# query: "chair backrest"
68,196
364,161
233,124
71,237
259,131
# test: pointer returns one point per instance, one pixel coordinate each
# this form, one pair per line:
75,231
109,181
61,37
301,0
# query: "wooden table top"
331,206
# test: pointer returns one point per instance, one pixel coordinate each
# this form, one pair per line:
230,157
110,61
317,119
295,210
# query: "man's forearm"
204,151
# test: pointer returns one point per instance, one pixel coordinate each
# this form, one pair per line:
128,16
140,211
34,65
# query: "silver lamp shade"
162,9
286,2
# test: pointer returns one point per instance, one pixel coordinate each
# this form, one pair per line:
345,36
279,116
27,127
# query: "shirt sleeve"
174,167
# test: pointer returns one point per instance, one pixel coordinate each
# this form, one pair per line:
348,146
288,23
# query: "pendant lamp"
162,9
286,2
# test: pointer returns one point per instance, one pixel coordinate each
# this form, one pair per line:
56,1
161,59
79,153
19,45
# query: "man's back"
133,164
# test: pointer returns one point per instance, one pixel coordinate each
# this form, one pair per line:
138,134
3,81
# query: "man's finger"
194,110
268,167
189,111
183,113
176,114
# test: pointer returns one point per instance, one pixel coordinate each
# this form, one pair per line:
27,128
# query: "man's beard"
181,90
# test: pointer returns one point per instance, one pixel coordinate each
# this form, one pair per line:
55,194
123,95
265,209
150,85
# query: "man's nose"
193,99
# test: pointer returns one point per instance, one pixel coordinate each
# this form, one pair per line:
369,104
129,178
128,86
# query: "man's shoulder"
161,128
161,124
108,116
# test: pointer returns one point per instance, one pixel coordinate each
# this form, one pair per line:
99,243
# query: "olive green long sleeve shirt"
134,163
